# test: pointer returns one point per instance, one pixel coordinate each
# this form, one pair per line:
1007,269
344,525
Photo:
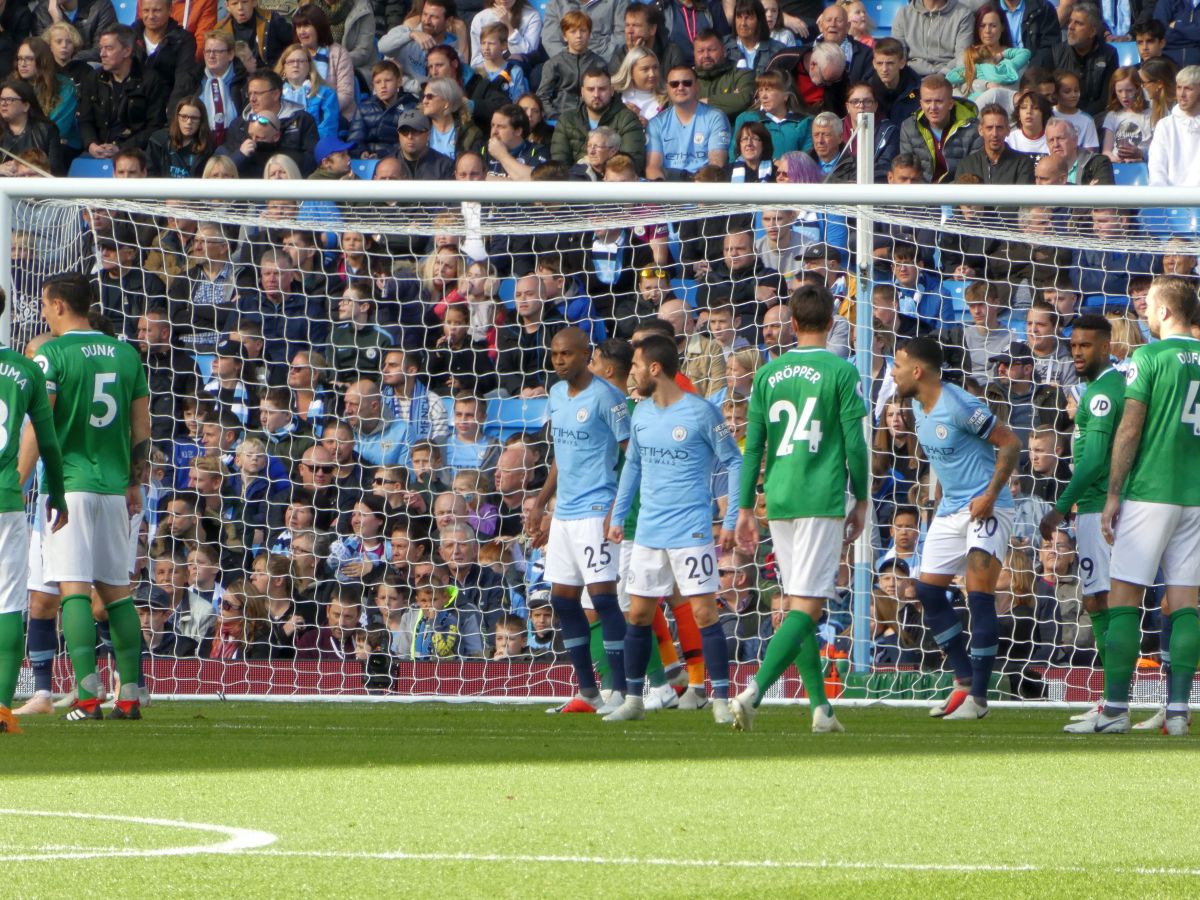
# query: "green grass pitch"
361,800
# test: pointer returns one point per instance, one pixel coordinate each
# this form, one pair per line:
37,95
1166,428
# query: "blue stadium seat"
1165,221
514,415
87,167
126,11
204,364
1127,53
1135,173
884,13
1102,303
686,290
540,6
955,294
364,168
506,290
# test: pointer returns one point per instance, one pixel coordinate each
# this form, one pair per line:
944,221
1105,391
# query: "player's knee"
704,610
42,605
979,562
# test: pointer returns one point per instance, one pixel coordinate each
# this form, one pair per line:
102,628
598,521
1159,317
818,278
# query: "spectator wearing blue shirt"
377,441
569,298
688,136
399,43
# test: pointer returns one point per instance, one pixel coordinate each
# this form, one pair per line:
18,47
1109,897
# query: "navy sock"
985,638
716,659
612,625
942,620
576,640
42,645
638,641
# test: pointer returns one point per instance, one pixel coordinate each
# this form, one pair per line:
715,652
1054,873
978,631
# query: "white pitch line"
665,862
237,840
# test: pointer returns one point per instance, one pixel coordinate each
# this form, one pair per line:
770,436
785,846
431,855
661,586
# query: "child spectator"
484,517
373,128
357,342
424,471
335,640
457,364
390,596
1127,129
493,42
736,411
228,386
723,324
1068,93
362,557
562,75
543,638
203,562
251,485
468,447
739,376
906,533
511,639
439,627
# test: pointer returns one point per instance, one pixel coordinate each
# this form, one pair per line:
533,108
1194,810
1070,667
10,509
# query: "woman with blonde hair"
440,272
1158,80
453,132
281,167
65,41
1126,337
219,167
639,81
302,85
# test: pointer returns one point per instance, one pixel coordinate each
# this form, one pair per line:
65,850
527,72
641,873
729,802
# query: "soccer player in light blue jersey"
589,425
678,440
972,455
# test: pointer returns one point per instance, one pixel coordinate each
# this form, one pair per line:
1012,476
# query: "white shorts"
623,557
578,554
1150,535
950,538
656,572
135,528
37,581
93,547
807,553
14,561
1093,552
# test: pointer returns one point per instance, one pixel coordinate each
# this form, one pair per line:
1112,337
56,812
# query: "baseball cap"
327,146
538,598
413,120
149,595
819,251
1018,351
230,348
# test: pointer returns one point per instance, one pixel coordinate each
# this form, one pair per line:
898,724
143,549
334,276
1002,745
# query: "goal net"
348,406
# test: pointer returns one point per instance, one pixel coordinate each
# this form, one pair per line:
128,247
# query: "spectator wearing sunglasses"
687,137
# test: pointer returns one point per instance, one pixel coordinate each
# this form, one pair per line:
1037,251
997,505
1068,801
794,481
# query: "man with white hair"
839,167
1175,149
1083,166
834,23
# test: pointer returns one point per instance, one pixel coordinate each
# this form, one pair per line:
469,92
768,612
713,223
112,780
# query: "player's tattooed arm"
1126,444
140,443
139,462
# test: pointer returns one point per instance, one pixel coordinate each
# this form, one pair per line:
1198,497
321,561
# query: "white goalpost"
619,252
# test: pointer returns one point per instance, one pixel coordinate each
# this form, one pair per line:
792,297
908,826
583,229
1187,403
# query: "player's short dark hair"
925,350
1178,295
811,306
906,511
658,348
72,289
656,325
617,352
1093,322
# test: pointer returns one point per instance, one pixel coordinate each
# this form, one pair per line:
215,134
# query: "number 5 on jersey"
796,428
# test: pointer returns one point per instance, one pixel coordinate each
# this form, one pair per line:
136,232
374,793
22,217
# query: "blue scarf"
418,426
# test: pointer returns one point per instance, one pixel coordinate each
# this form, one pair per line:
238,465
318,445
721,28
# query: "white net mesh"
348,398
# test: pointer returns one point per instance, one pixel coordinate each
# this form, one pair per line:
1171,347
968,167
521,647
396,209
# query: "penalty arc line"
663,862
237,840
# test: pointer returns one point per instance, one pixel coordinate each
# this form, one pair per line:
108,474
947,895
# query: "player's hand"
746,531
535,526
133,500
856,520
981,507
1050,522
1110,518
726,539
57,516
616,534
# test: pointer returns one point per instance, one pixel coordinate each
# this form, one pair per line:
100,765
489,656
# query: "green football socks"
125,629
1121,644
12,651
795,641
79,630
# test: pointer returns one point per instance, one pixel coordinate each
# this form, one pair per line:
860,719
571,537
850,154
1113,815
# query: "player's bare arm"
1008,452
1125,448
535,521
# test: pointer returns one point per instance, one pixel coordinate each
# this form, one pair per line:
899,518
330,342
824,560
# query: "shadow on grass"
215,736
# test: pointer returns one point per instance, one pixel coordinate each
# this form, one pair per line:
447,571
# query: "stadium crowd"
347,423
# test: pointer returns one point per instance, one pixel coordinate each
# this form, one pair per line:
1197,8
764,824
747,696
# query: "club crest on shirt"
698,139
581,415
679,433
941,432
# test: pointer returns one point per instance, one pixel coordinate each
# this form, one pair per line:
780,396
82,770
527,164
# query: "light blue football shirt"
954,437
587,431
672,455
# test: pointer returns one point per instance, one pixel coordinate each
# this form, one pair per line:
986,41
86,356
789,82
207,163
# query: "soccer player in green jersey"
22,393
1152,511
1096,420
806,413
101,402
